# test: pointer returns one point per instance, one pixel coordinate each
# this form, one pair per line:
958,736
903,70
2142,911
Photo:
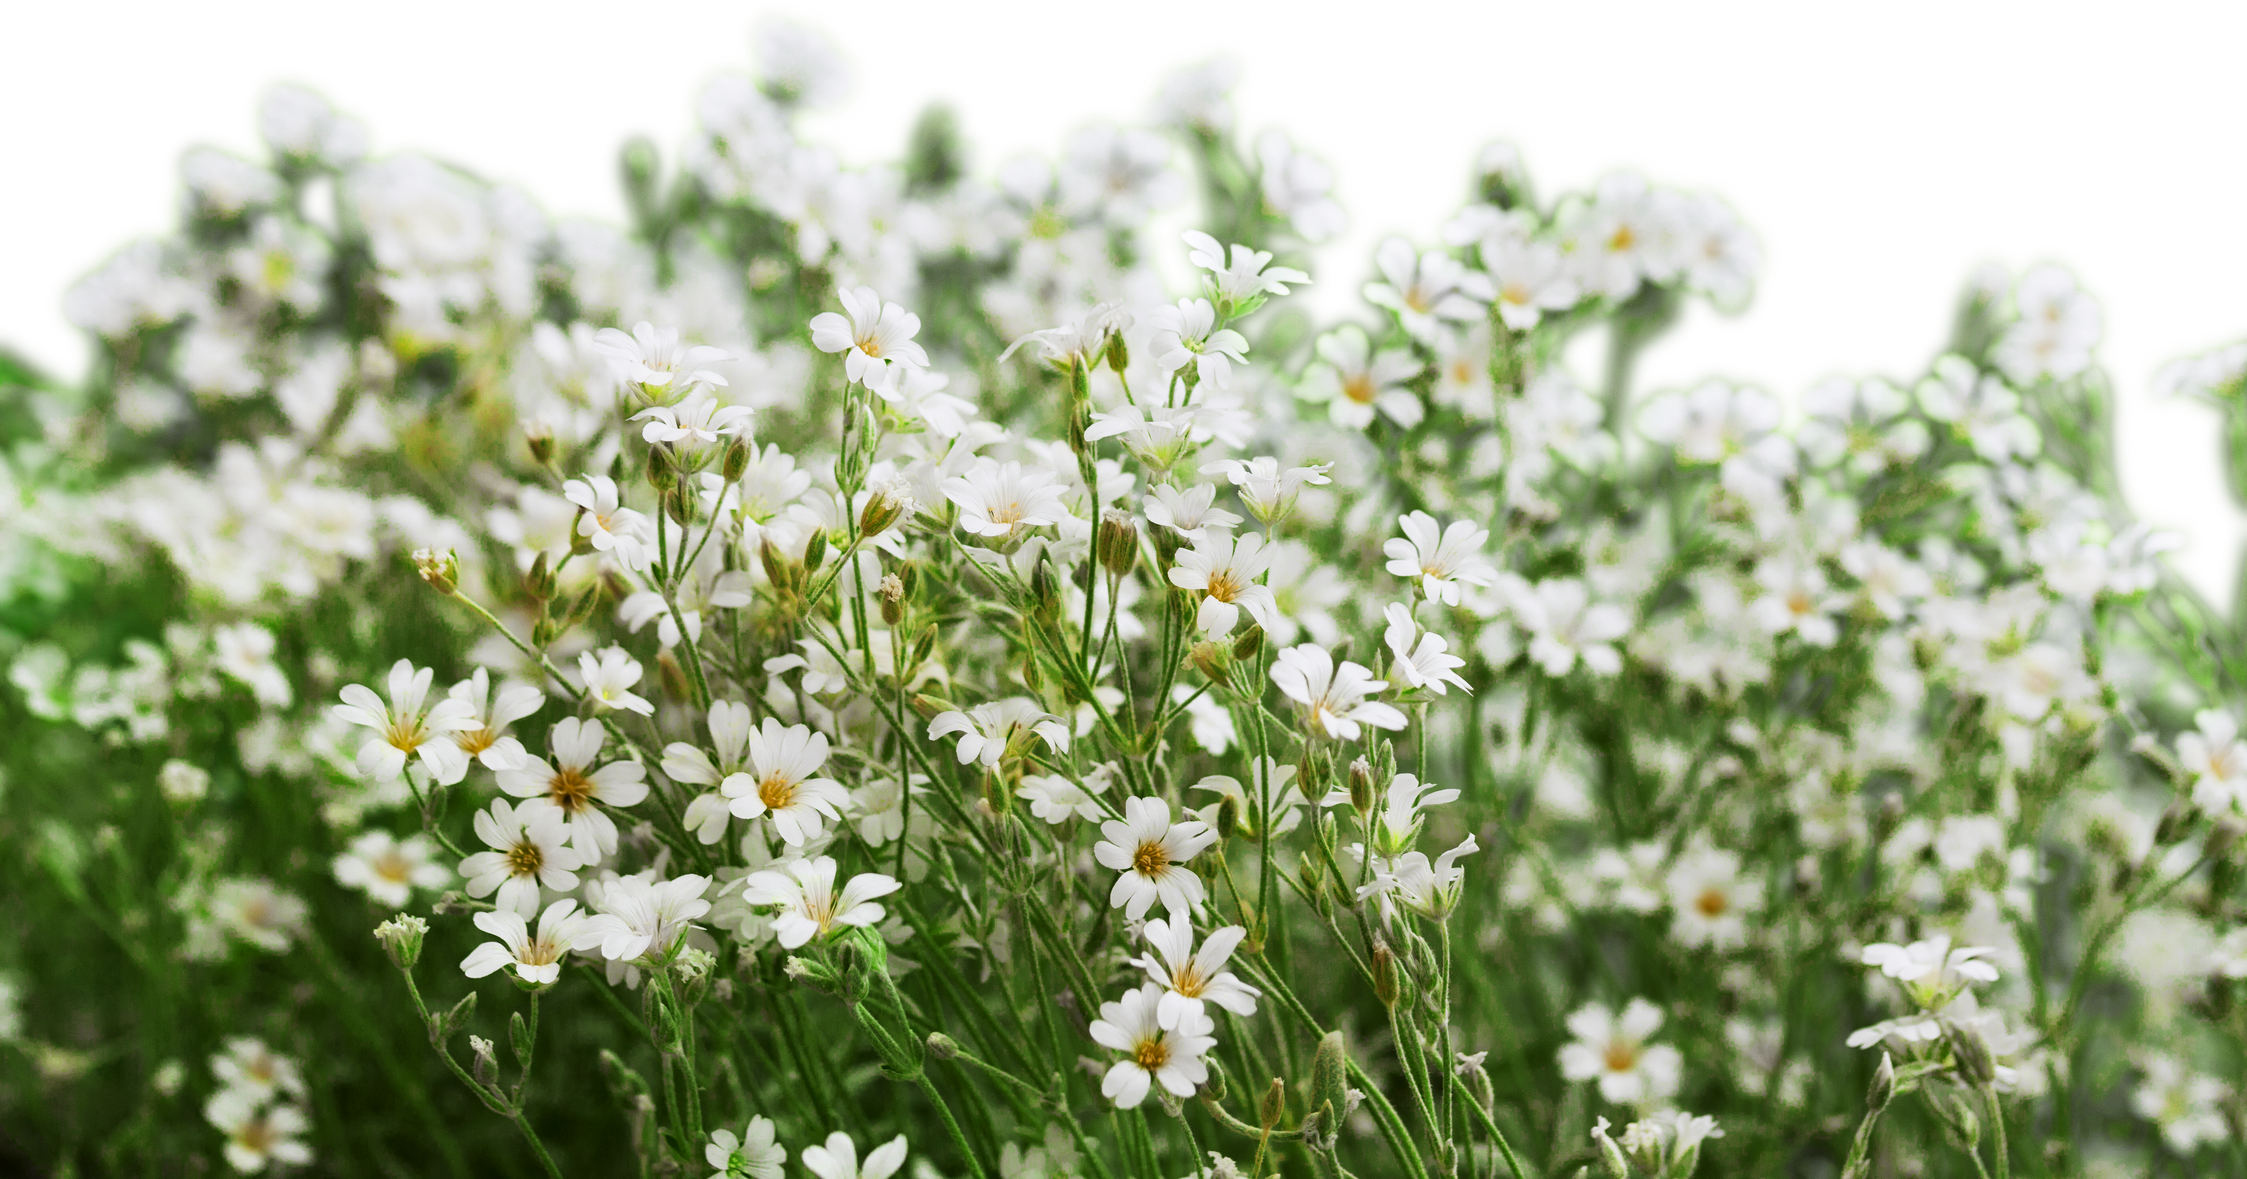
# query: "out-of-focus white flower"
258,1134
1612,1050
1565,625
1427,289
1710,900
654,359
2185,1105
245,651
2217,760
1299,187
1981,409
1353,381
388,868
2059,326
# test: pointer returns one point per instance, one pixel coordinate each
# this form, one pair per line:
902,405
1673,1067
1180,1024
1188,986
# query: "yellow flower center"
1150,859
1151,1054
570,790
777,792
525,858
1621,1056
1712,902
1358,387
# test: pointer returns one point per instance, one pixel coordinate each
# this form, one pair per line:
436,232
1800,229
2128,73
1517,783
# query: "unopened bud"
2176,822
661,474
1362,792
401,938
674,677
736,462
815,550
1045,592
1249,643
1330,1075
1228,817
778,569
440,570
1214,663
484,1062
539,581
1274,1106
929,706
1883,1085
886,503
1971,1054
943,1047
540,438
1118,353
893,601
1116,545
1388,985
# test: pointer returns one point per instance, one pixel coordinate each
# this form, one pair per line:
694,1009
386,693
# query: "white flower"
529,848
1150,853
809,905
1188,513
877,337
1268,491
1565,625
250,1066
1194,99
754,1154
1425,289
2187,1106
1528,279
1242,278
534,959
2217,760
1862,422
730,725
1226,570
609,679
1191,978
2059,326
1430,889
1153,1053
1056,799
1710,901
699,421
1667,1142
778,784
1354,381
1082,342
1712,422
1298,186
487,741
571,785
388,869
1612,1050
1795,599
917,394
988,731
607,523
1001,499
1187,335
245,651
1931,971
1442,558
1332,698
1889,580
1421,659
655,360
1265,776
402,727
258,913
257,1134
640,917
1981,409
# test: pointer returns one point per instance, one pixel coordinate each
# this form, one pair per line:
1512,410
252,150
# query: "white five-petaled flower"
1982,409
875,338
528,848
2188,1107
1426,289
1528,278
1931,971
388,868
779,786
249,1065
1225,569
1153,1053
1710,900
1612,1050
1189,513
1056,799
1354,381
1442,558
1190,978
2217,760
696,422
1795,598
487,740
571,785
1187,335
839,1159
639,916
606,523
1082,342
609,680
730,726
1245,275
1001,499
1565,625
404,728
257,1133
1419,658
535,958
1150,853
245,651
988,731
809,905
1268,491
1333,698
1429,888
755,1153
655,360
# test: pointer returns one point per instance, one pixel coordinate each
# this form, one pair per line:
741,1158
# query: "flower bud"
484,1062
401,938
1228,817
538,583
943,1047
1362,792
1116,545
815,550
892,592
1273,1106
519,1038
661,474
929,706
540,438
1971,1053
885,505
440,570
674,677
1249,643
1214,664
776,563
1388,984
1045,592
1330,1076
2176,822
1118,353
736,461
1883,1085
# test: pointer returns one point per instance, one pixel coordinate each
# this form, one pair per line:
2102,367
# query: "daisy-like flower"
730,725
1418,658
248,1065
1667,1142
388,868
2217,760
917,394
699,421
488,741
640,917
653,359
1528,278
1333,698
1889,580
1153,1053
1266,776
1932,972
258,913
2185,1105
1710,901
1082,342
1795,598
403,727
809,905
1354,381
1862,423
1246,276
609,679
755,1153
1612,1050
1430,889
535,958
1268,491
1189,513
258,1134
2059,326
1442,558
1150,852
606,523
1057,799
1158,435
1298,186
1225,570
529,847
245,652
1981,409
779,783
1001,499
1426,289
839,1159
1564,625
1712,422
571,785
875,338
1187,336
989,732
1190,978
